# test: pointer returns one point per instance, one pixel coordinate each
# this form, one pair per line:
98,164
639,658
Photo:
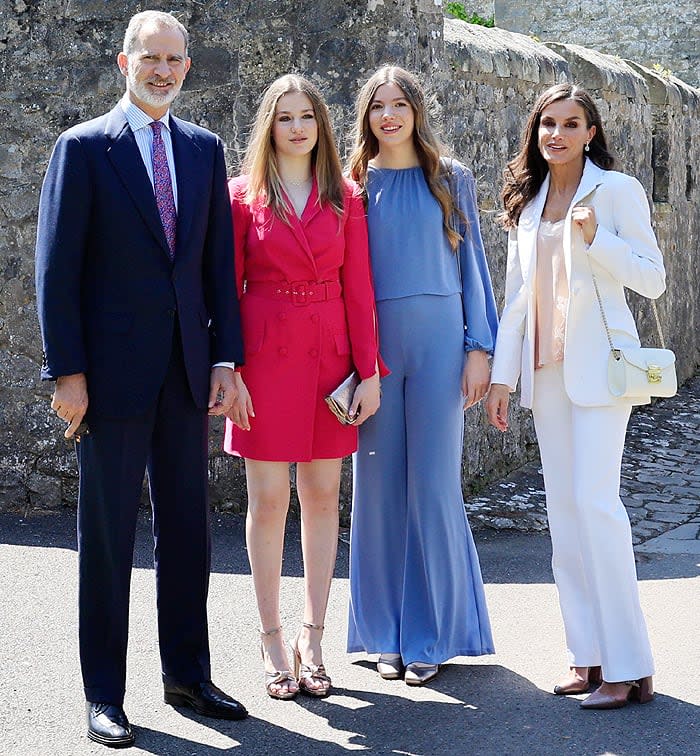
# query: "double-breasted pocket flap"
342,343
254,336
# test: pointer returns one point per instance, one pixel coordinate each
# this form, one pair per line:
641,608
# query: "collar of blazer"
529,222
298,225
125,157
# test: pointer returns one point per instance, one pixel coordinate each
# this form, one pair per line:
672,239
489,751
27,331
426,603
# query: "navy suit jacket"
107,293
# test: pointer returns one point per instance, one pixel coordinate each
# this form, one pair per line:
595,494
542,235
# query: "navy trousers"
170,441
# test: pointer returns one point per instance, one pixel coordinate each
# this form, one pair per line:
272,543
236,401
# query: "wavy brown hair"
526,172
438,174
260,162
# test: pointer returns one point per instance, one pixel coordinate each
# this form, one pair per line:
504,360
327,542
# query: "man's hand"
70,400
222,390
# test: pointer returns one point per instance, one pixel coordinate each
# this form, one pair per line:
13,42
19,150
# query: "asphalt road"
499,704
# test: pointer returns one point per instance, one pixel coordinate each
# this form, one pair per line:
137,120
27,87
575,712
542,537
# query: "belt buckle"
299,293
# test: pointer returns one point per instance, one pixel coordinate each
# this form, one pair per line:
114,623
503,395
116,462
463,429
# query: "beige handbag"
639,372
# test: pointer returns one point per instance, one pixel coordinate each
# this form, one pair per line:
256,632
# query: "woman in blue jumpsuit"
417,596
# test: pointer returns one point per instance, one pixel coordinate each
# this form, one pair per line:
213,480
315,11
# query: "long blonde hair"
428,147
260,162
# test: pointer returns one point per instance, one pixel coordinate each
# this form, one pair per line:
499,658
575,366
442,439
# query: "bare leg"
268,503
318,484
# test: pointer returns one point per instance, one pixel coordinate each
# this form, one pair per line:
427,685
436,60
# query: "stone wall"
653,32
57,67
488,82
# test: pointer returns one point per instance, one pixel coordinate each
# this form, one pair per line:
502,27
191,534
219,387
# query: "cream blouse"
552,294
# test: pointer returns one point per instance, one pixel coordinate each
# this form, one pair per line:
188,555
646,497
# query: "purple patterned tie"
163,188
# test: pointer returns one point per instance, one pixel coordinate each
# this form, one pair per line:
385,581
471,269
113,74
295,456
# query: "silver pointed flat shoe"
419,673
390,666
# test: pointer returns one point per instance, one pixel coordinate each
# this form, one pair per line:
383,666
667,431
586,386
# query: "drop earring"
587,148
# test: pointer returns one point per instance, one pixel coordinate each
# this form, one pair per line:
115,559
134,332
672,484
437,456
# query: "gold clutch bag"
340,399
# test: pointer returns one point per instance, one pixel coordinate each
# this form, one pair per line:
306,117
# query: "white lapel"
591,179
527,231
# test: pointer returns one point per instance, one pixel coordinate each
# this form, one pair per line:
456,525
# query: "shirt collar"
136,118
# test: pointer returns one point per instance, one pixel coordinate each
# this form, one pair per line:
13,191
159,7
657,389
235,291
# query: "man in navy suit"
141,330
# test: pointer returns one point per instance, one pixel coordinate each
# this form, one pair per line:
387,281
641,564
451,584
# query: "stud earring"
587,148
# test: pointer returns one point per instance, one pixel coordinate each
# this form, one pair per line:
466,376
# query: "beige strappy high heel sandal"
278,677
305,672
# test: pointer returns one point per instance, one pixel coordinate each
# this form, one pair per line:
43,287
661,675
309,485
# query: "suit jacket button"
283,351
282,316
171,312
313,353
315,318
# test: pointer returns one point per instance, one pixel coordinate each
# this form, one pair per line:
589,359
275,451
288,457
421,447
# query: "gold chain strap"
658,323
605,320
602,311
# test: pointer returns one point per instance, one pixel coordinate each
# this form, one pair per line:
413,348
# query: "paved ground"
660,481
496,705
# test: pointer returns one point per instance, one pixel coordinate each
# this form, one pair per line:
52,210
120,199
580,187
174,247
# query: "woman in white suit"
570,216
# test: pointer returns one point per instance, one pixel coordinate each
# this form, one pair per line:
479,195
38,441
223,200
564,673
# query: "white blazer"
624,253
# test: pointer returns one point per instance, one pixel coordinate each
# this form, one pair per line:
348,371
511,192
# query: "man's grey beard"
150,97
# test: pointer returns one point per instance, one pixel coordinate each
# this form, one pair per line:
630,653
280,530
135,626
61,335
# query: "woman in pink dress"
307,305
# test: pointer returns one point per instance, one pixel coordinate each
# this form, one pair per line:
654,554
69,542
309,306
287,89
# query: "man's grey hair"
156,18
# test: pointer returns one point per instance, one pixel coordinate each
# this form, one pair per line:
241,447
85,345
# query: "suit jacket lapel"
299,225
312,207
527,231
532,214
591,178
186,152
123,153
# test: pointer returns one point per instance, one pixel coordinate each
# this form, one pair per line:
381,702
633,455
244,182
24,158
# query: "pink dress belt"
299,293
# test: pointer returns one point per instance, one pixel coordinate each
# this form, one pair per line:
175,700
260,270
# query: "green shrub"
458,11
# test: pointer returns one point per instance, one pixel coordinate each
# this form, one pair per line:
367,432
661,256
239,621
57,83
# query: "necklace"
296,182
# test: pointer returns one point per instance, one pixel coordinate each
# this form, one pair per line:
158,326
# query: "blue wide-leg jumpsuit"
416,586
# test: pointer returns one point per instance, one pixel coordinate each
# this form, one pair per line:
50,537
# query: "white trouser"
592,557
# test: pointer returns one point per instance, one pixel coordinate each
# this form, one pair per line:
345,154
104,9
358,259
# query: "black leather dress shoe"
206,699
108,725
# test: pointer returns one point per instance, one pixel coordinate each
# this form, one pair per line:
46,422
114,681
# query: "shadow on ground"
490,710
506,557
480,706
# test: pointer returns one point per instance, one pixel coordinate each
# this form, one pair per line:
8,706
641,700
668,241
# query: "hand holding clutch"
340,399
